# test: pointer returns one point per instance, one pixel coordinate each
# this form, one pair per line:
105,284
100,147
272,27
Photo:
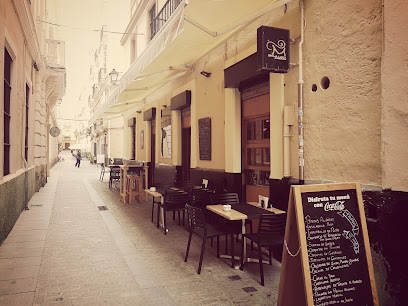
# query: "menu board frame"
204,138
295,270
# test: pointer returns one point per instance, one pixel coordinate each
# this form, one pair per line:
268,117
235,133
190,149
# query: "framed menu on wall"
204,138
327,252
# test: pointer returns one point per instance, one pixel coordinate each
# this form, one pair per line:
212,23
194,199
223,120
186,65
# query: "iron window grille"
26,127
157,21
7,112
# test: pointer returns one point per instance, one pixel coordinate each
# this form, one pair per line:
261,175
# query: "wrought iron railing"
160,19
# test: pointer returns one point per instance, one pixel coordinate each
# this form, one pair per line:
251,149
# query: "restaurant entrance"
255,141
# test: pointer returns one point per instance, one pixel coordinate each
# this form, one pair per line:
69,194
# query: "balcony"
55,53
158,21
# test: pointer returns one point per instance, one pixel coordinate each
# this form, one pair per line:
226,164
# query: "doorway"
256,141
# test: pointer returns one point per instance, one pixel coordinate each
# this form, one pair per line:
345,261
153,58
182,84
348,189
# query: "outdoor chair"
114,176
174,201
227,198
224,198
161,188
103,171
271,232
200,197
197,225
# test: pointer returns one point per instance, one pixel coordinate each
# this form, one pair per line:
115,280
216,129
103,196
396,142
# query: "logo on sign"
278,50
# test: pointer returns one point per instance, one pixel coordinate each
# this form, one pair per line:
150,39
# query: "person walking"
78,157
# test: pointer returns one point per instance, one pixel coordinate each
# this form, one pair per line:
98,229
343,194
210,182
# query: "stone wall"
394,79
14,196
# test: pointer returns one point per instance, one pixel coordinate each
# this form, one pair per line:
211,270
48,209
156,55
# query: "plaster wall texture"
395,96
343,122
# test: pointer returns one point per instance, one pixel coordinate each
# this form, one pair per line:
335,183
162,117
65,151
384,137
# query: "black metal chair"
224,198
197,224
173,201
271,232
114,176
200,197
162,188
227,198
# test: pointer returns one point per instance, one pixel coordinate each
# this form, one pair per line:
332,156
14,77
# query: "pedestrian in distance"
78,157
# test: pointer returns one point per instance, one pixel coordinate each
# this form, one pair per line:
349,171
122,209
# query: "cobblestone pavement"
64,250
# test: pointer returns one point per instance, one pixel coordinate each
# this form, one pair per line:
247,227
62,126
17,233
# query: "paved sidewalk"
66,251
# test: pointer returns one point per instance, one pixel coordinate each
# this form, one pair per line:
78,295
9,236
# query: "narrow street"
65,250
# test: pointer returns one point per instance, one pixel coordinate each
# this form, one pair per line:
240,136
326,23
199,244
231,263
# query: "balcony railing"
55,53
160,19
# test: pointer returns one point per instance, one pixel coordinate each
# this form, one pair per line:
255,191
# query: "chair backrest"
186,186
175,198
118,161
115,173
272,224
225,198
200,197
196,217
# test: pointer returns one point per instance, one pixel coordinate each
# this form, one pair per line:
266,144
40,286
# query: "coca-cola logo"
339,205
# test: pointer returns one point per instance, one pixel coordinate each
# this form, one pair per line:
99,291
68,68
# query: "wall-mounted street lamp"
114,76
206,74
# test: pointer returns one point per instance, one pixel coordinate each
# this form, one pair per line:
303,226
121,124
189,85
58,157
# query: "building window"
257,150
153,23
26,125
7,112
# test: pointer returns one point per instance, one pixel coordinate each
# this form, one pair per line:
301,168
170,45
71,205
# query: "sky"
79,43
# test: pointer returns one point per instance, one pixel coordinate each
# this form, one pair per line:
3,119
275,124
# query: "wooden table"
234,215
272,209
124,169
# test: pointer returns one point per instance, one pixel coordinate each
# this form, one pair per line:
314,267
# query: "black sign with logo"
273,49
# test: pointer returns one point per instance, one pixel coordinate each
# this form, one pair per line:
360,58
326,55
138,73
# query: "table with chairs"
270,231
207,218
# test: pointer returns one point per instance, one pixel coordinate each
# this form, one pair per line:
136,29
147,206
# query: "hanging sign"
327,257
273,49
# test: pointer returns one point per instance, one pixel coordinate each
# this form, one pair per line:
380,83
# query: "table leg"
243,231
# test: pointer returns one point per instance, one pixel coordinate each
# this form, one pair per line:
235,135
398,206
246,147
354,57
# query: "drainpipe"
289,119
300,97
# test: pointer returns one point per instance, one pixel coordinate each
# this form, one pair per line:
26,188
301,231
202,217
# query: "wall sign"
142,139
273,49
327,255
204,138
166,141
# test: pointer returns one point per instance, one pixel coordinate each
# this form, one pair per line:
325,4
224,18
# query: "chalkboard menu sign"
327,228
335,247
204,138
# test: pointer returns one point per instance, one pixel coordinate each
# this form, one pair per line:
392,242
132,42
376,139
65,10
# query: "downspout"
300,97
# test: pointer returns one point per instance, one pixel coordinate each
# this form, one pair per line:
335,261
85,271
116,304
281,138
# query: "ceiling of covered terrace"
195,28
